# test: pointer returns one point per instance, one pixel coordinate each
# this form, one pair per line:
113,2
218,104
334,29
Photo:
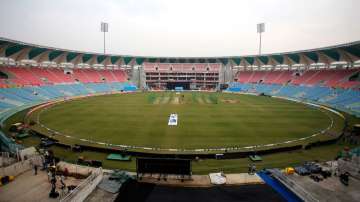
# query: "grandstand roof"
18,51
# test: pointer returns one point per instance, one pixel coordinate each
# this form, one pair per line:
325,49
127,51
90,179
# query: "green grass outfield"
206,120
204,166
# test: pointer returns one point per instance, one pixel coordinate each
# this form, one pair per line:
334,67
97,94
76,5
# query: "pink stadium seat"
284,77
107,75
43,73
257,76
92,75
330,78
271,77
339,76
304,77
24,76
60,75
244,76
80,75
320,77
348,84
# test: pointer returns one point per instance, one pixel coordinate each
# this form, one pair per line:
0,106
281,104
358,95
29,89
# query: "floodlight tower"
260,29
104,29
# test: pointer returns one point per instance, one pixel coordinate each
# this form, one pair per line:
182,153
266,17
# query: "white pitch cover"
173,119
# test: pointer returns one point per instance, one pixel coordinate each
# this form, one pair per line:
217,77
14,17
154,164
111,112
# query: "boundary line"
223,149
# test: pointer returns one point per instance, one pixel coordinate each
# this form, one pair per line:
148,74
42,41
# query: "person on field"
35,169
62,181
49,175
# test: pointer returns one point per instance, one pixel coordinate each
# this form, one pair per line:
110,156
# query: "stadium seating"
330,87
61,76
23,76
92,75
36,76
303,77
257,76
33,85
119,75
285,76
108,76
330,78
46,76
271,76
244,76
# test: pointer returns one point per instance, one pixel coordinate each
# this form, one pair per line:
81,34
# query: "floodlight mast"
104,29
260,29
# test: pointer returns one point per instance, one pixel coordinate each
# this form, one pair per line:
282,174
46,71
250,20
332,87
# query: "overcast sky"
181,27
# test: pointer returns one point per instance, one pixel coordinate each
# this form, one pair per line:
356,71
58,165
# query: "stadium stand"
107,76
61,75
329,87
34,84
23,76
330,78
46,76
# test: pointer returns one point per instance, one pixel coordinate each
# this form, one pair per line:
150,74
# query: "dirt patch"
229,101
165,100
175,100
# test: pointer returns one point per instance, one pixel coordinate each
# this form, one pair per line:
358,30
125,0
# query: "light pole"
104,29
260,29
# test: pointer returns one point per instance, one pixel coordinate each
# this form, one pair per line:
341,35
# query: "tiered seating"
109,77
42,76
303,77
92,75
61,76
45,76
4,83
99,88
339,76
244,76
320,77
4,105
12,97
80,89
257,76
52,91
285,76
271,76
342,99
349,84
330,78
23,76
43,84
81,76
9,94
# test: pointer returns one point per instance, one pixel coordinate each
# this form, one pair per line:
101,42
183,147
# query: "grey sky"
181,27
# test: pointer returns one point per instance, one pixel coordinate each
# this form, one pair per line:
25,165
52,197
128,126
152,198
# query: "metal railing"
84,189
21,166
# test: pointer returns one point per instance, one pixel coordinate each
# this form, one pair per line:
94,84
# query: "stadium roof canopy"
18,51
